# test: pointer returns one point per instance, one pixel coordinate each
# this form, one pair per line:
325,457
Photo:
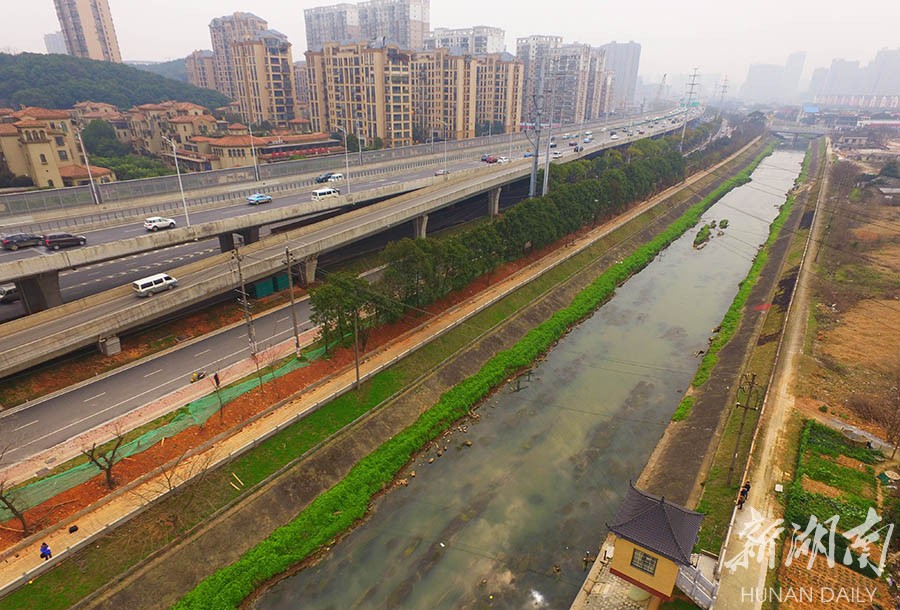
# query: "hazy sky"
716,36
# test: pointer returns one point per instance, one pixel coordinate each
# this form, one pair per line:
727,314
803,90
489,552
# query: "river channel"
551,455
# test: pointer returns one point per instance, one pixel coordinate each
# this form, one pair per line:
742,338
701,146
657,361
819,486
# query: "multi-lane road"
45,423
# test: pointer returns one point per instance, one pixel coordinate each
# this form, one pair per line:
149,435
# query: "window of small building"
643,562
59,141
43,159
63,155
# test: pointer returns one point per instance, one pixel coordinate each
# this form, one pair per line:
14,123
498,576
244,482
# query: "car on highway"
441,172
614,137
502,160
573,143
579,148
55,241
155,223
557,154
322,178
588,140
14,241
258,198
9,293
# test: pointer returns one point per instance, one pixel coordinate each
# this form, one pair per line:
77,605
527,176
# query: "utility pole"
532,184
290,268
751,402
546,185
692,84
356,343
244,302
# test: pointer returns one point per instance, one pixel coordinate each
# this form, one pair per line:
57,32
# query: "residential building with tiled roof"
40,143
653,538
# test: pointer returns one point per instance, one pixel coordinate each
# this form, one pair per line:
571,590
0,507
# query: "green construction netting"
193,414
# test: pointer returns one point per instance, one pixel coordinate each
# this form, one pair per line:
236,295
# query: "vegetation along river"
551,455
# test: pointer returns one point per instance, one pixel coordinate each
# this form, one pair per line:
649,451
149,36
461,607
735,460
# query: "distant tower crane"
659,92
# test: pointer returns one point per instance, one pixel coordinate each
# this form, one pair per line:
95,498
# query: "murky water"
484,526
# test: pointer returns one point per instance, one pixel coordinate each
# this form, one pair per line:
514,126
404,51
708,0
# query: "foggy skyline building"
55,43
88,29
225,32
536,53
402,22
623,59
477,40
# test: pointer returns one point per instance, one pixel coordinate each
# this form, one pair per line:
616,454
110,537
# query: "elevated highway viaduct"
98,319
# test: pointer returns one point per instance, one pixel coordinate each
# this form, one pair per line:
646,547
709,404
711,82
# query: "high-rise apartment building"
338,23
263,78
362,90
623,59
201,69
301,82
88,28
568,83
536,54
498,101
403,96
480,39
225,32
598,99
402,22
55,43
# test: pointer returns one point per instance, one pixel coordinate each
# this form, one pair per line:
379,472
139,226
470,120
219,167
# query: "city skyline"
708,36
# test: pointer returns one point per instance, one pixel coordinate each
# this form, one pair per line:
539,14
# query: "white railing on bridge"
698,587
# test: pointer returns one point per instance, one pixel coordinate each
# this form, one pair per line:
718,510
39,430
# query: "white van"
155,283
335,177
319,194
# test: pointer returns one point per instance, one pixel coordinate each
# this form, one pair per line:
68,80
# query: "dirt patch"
849,462
862,339
819,487
804,588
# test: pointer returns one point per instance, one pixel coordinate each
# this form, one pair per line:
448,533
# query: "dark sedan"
55,241
21,240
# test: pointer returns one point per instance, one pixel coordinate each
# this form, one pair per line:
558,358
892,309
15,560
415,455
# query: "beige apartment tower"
263,78
201,69
401,22
225,32
88,29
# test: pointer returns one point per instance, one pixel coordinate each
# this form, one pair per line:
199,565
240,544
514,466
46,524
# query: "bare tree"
890,417
105,460
9,499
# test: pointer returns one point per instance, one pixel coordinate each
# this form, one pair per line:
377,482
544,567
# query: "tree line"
418,272
61,81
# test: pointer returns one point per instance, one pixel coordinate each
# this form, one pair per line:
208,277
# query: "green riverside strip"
340,507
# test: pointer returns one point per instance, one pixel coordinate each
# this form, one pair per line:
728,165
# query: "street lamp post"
359,141
346,157
87,163
187,218
253,152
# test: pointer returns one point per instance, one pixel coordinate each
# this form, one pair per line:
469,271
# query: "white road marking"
284,319
25,425
206,351
97,396
153,373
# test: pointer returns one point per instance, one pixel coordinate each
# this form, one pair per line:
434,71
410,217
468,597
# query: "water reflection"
505,522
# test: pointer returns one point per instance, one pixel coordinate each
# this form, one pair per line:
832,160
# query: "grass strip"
337,509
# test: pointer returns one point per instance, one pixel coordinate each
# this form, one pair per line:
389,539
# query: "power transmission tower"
722,89
692,84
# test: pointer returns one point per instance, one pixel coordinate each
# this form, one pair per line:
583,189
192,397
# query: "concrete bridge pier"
307,269
250,235
226,242
40,292
494,202
109,346
420,226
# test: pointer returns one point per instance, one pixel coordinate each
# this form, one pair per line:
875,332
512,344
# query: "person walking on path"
742,497
45,551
